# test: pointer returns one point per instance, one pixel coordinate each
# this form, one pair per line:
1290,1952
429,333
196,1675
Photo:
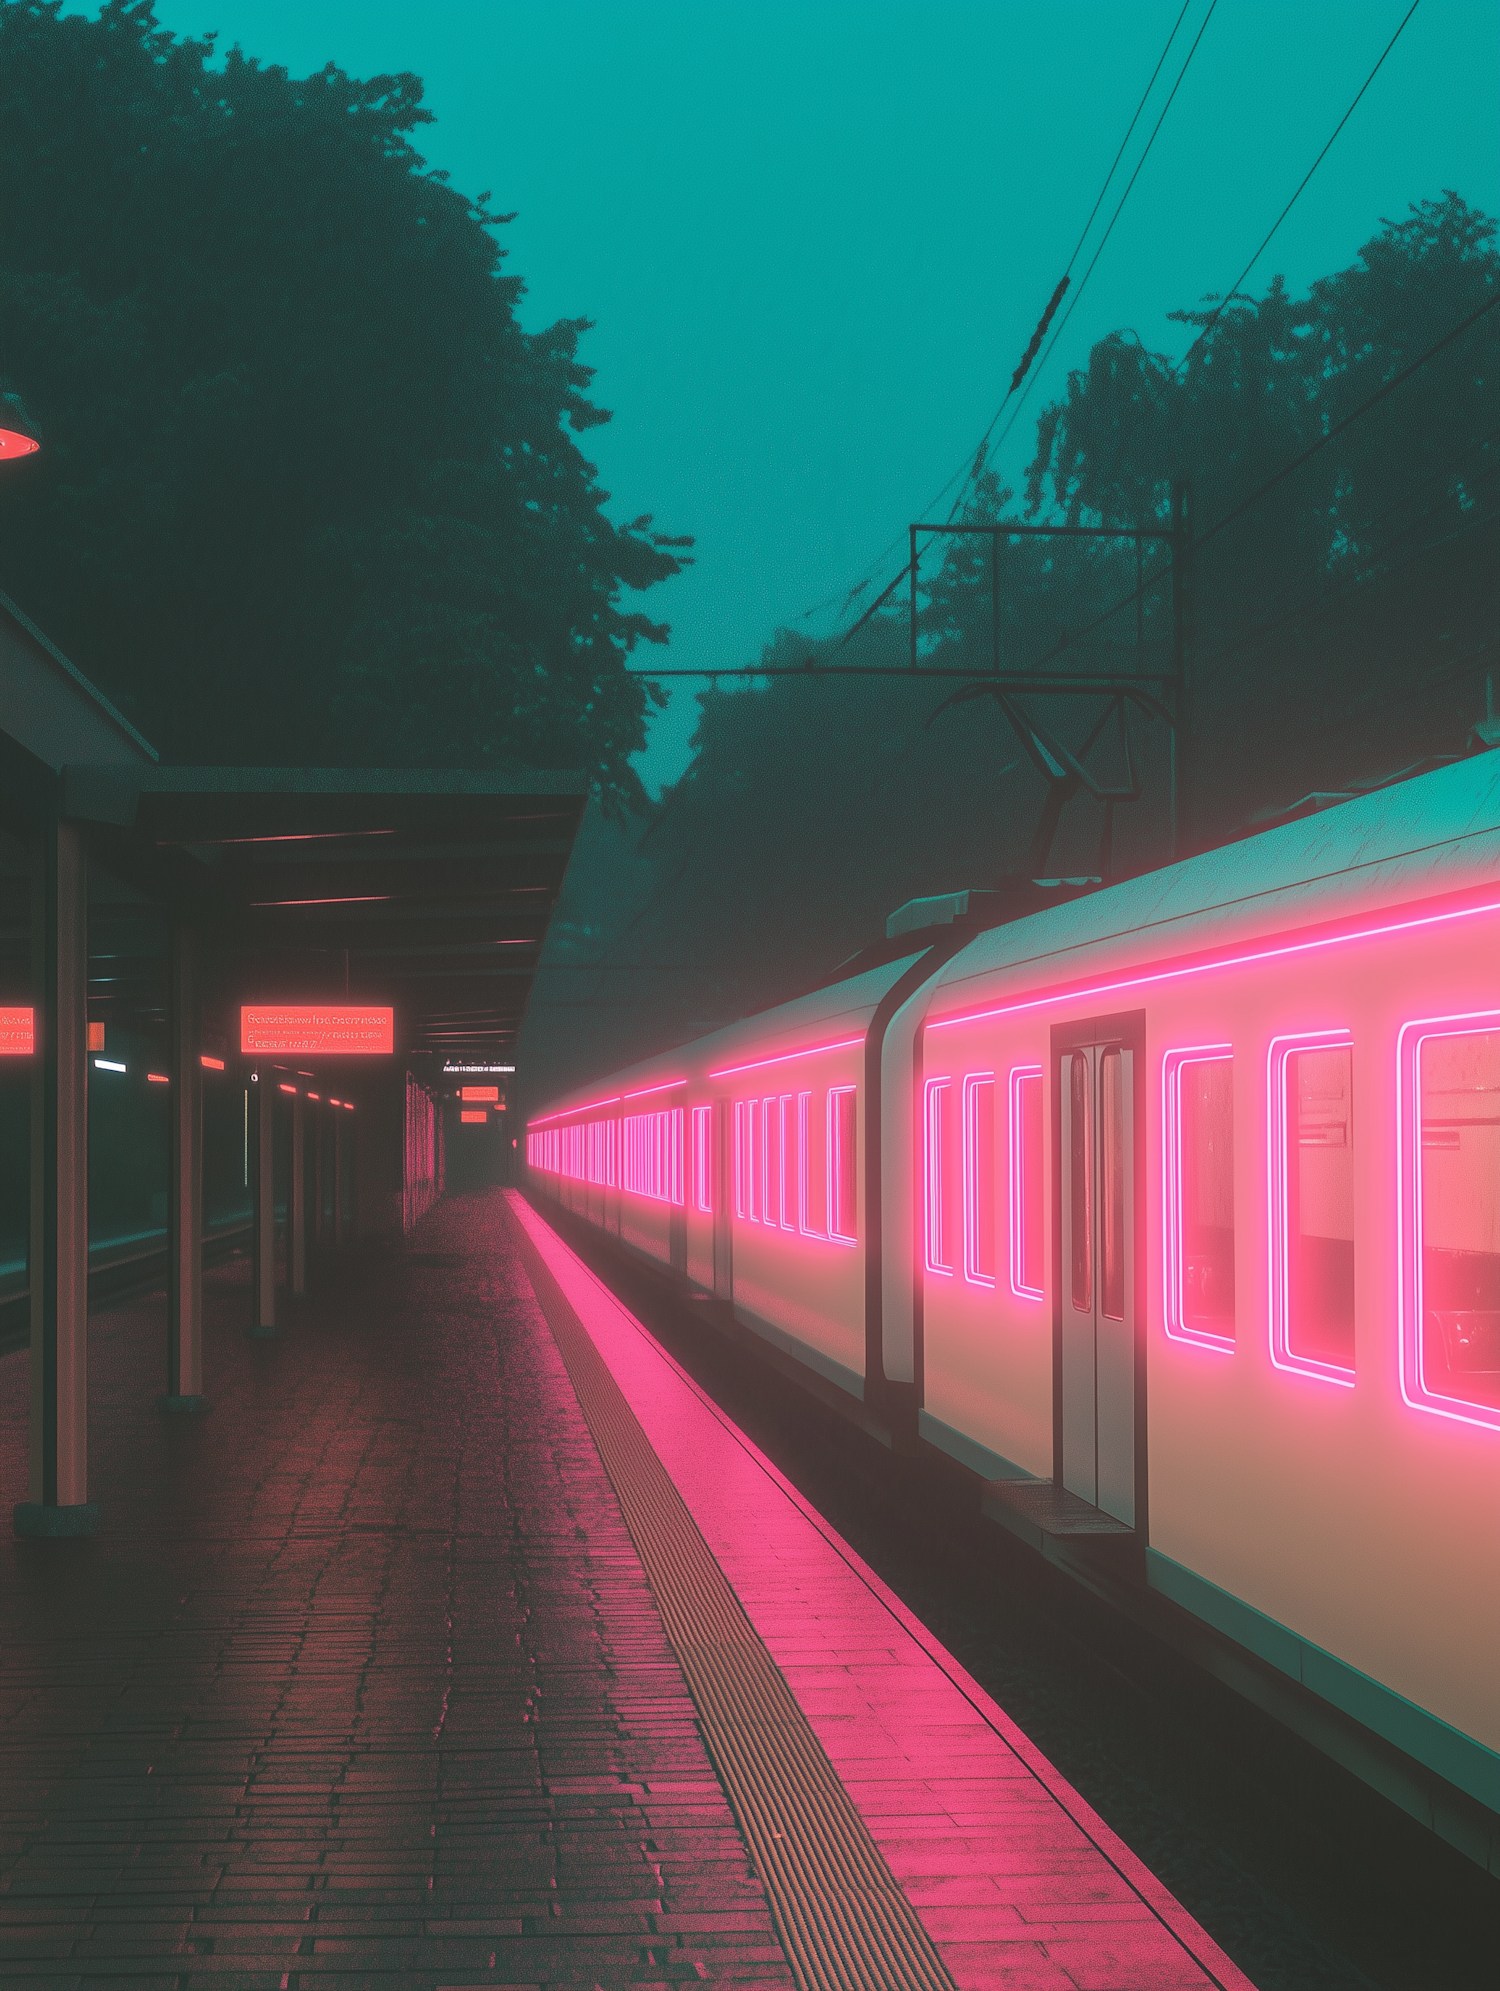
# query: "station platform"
465,1641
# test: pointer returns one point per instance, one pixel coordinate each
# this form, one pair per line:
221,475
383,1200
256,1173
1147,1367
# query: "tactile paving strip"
843,1920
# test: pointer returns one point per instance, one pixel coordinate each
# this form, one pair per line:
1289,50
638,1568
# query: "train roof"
838,1009
1436,833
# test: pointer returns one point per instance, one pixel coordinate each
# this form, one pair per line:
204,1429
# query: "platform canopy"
427,888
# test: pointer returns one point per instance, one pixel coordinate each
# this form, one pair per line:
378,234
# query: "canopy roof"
427,888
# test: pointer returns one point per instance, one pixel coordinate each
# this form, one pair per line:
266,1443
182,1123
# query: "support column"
338,1175
319,1190
296,1201
184,1392
263,1324
59,1255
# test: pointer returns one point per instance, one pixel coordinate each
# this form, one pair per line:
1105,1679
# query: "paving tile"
363,1684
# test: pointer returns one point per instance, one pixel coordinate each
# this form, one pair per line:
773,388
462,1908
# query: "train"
1172,1214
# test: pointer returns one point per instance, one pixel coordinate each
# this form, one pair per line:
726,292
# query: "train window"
744,1160
843,1171
703,1169
1458,1210
1081,1182
938,1116
1026,1182
812,1150
979,1178
1198,1138
770,1161
1312,1209
786,1148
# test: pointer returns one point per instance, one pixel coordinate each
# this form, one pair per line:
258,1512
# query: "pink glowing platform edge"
1015,1878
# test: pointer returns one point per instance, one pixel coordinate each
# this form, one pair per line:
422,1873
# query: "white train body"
1183,1198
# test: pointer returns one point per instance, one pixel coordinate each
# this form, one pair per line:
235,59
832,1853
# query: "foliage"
1343,629
308,490
1344,622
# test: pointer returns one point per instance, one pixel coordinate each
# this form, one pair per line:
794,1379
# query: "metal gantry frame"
1164,695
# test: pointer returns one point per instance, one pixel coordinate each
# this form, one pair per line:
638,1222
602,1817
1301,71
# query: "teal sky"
815,237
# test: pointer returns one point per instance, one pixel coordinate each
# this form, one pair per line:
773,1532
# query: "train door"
1097,1291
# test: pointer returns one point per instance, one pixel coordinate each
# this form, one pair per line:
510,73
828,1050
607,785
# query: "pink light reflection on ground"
950,1788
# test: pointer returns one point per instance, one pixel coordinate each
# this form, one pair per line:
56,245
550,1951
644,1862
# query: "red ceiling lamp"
18,432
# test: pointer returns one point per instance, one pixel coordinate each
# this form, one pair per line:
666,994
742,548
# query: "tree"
1344,628
1345,623
308,491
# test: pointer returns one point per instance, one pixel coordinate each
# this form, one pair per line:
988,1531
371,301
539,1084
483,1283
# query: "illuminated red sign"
303,1031
17,1033
480,1095
474,1119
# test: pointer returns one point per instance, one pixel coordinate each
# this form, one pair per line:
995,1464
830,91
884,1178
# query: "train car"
1173,1214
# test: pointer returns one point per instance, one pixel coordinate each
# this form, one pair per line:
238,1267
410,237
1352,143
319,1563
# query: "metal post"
1182,731
318,1186
185,1186
912,534
263,1323
338,1176
296,1201
995,602
59,1270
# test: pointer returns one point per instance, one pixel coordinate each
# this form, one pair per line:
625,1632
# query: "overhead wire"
1382,393
966,469
905,570
1228,296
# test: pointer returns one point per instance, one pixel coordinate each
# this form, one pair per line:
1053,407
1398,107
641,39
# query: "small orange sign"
17,1033
480,1095
476,1119
306,1031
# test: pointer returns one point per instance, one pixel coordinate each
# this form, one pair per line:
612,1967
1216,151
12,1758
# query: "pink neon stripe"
1092,989
758,1064
568,1111
669,1085
787,1221
1174,1321
1279,1226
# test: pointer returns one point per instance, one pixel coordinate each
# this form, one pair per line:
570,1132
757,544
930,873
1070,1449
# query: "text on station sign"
17,1033
304,1031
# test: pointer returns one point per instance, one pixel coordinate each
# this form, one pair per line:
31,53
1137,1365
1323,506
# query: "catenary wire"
1230,295
965,467
1381,393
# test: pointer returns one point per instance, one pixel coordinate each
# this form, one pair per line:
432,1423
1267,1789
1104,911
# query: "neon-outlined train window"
703,1159
1309,1116
794,1164
980,1198
1448,1215
1027,1238
1198,1287
651,1154
937,1175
